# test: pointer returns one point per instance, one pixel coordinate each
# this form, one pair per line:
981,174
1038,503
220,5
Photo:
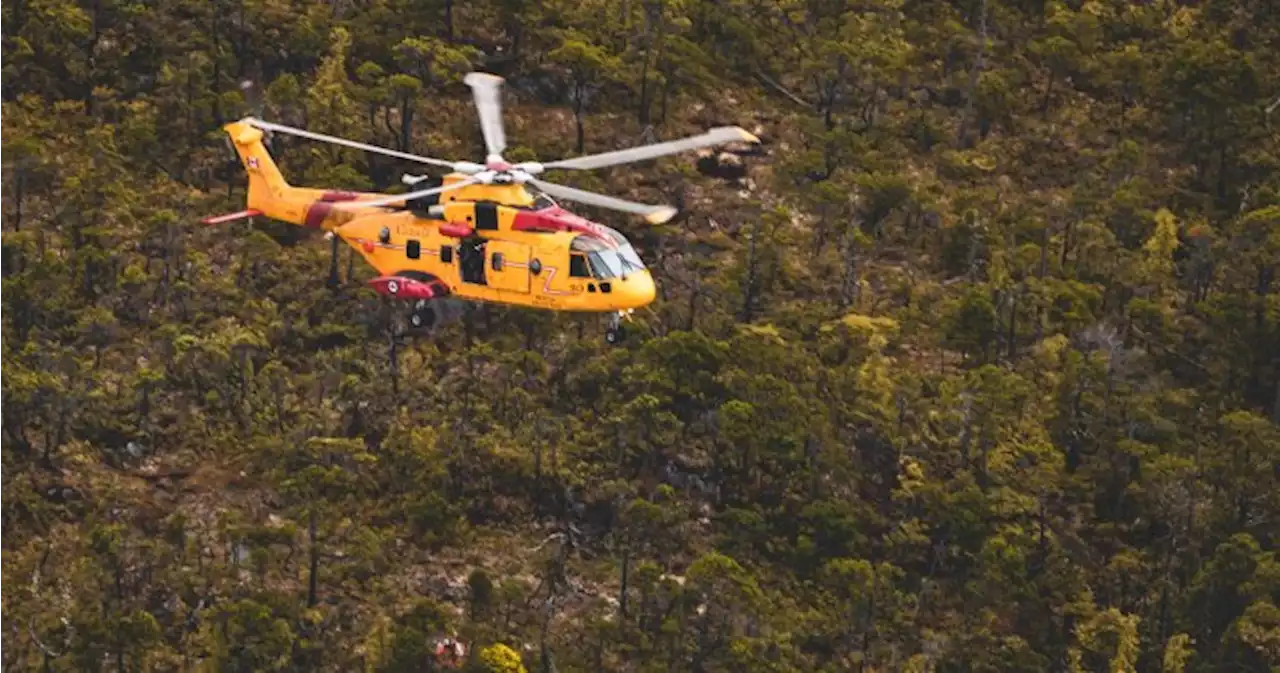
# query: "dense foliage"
976,368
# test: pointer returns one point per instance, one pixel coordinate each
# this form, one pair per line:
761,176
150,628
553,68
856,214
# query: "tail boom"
272,196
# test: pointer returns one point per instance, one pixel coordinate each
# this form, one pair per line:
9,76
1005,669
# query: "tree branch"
36,639
779,88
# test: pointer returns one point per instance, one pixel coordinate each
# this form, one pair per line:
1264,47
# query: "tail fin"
272,196
266,183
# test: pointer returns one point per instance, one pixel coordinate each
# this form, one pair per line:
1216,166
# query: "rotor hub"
496,163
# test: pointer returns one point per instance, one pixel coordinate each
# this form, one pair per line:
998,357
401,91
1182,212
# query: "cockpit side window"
578,266
606,260
606,264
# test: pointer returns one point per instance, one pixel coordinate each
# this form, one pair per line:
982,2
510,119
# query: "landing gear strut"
334,281
615,332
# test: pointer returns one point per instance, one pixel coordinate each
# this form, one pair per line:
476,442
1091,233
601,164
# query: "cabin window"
446,254
578,266
413,249
497,261
487,216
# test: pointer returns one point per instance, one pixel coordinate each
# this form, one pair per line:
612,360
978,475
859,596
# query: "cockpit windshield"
608,261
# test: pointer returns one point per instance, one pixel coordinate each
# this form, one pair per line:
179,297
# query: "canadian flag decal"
253,162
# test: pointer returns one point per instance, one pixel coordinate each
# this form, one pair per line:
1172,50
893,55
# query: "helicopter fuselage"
500,243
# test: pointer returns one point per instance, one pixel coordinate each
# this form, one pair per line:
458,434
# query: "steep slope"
974,366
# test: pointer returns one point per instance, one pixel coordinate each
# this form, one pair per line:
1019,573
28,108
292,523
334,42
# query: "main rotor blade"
716,136
487,90
270,126
652,214
405,198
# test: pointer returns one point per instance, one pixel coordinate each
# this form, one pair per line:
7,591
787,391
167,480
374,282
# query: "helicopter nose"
638,290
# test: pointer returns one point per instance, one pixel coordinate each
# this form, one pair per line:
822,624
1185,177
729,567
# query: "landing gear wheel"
423,316
615,334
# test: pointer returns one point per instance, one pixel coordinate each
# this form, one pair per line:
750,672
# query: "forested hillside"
973,366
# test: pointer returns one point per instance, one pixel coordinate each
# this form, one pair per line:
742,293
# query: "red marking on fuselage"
316,214
530,221
454,230
559,219
546,286
319,210
409,288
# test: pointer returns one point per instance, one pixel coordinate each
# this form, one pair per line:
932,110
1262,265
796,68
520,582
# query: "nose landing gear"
615,332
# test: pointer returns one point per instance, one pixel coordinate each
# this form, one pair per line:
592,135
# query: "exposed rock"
722,165
451,589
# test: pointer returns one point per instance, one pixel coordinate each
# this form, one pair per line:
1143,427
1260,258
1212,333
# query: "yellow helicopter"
478,233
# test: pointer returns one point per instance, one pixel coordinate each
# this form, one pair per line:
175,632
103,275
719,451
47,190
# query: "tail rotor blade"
487,90
253,96
652,214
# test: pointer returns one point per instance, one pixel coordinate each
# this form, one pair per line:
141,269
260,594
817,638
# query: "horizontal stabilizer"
219,219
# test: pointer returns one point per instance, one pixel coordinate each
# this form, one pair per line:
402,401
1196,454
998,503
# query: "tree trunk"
962,138
89,50
394,361
1066,244
217,66
626,571
448,20
1048,95
693,312
314,566
1275,405
406,123
653,14
658,64
849,288
666,89
19,182
577,115
1013,320
334,279
644,89
19,18
749,292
